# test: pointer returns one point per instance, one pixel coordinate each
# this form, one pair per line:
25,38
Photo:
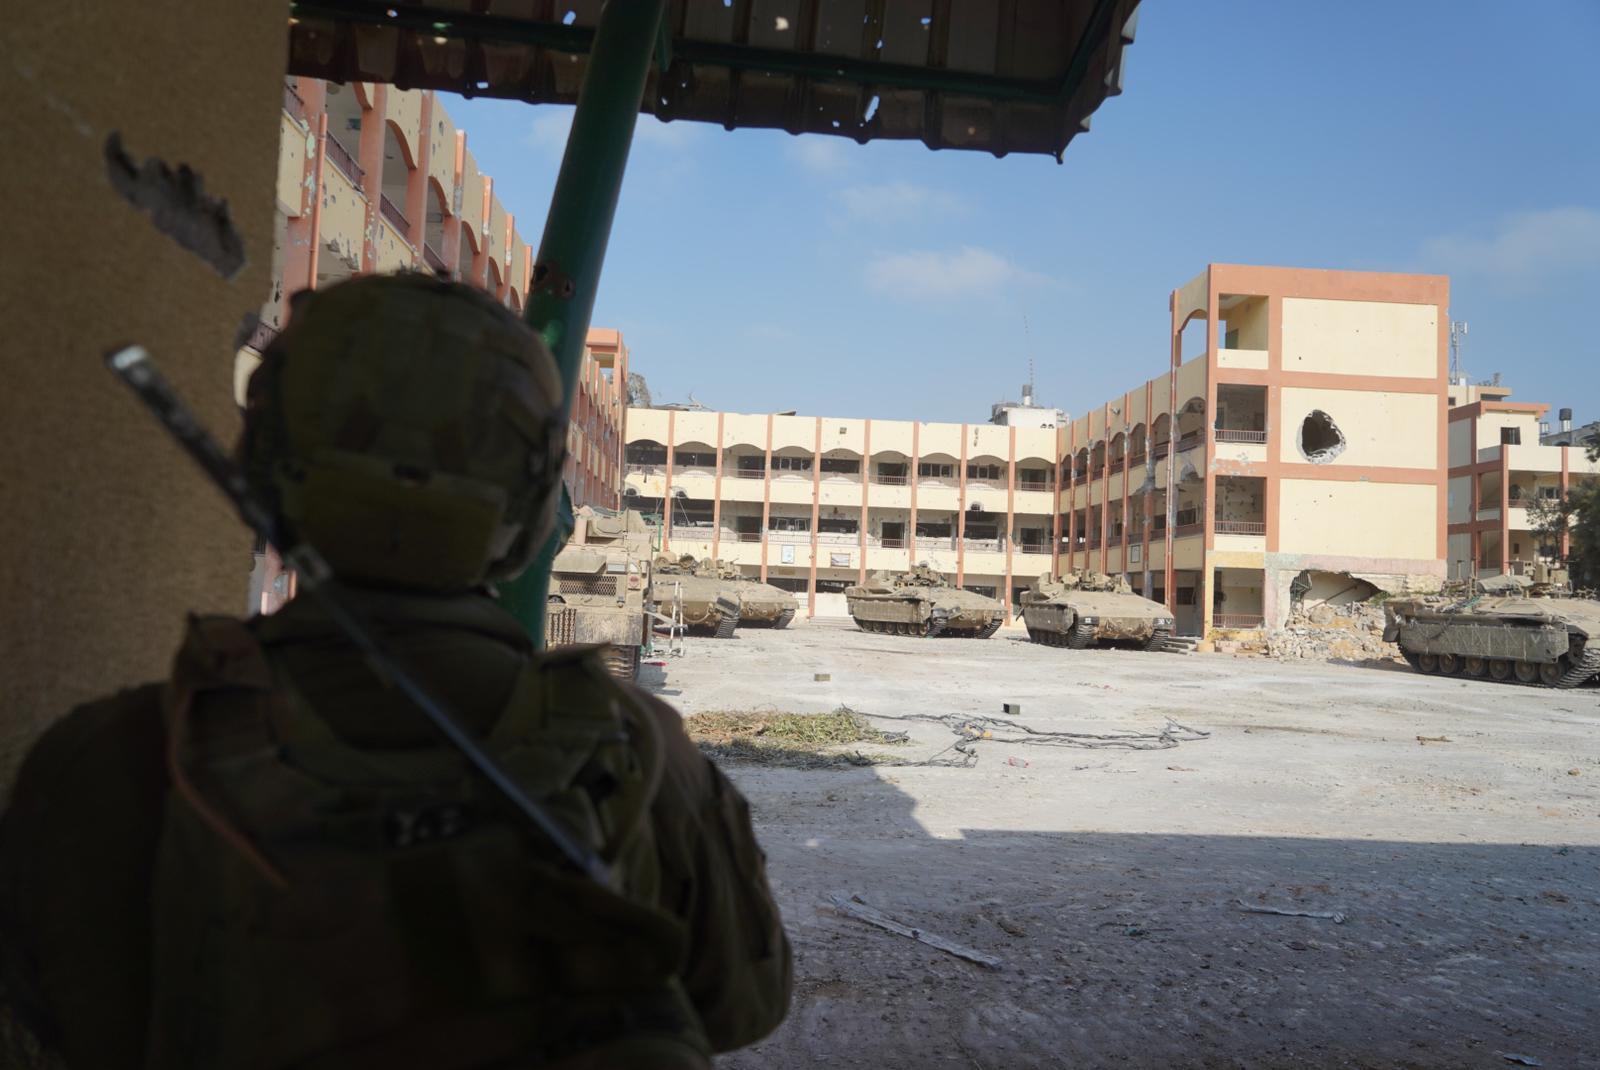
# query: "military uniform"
274,860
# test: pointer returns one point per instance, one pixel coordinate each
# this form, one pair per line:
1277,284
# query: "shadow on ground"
1132,950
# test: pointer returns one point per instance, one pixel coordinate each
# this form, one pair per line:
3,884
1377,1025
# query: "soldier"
273,860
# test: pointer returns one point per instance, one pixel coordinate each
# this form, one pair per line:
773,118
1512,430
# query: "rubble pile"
1323,632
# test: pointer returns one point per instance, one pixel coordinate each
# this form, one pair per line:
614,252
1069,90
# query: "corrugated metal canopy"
996,76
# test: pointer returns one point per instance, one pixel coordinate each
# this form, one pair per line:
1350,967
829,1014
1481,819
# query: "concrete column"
766,498
666,490
1011,512
866,484
816,497
369,157
911,528
716,496
961,513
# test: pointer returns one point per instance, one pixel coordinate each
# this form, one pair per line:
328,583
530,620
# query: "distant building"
1568,435
1025,413
1302,453
1500,468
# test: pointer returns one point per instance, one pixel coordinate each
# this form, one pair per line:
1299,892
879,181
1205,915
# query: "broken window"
841,465
791,464
788,523
983,471
1320,439
838,525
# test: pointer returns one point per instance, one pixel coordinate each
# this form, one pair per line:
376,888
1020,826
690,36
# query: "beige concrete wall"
404,110
471,209
1360,338
391,252
344,218
1249,318
891,436
1242,358
794,432
695,427
442,152
296,142
1191,381
1387,430
738,429
1357,519
647,425
110,533
940,438
1461,444
846,435
495,239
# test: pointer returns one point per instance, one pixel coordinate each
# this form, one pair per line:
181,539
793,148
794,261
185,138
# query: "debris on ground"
800,740
1323,632
853,906
1520,1060
1434,739
1325,915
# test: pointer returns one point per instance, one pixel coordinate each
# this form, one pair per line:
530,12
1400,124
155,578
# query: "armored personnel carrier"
920,602
760,604
1083,609
710,605
600,588
1502,631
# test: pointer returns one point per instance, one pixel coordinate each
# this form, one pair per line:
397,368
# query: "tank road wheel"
1428,663
1412,659
1449,664
1500,669
1550,672
783,619
1475,666
1527,672
1080,636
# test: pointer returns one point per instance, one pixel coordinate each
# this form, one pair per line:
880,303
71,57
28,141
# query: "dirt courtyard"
1109,883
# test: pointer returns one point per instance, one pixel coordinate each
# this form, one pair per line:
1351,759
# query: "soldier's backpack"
321,905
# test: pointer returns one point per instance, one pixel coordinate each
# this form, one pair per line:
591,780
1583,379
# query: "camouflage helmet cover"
408,428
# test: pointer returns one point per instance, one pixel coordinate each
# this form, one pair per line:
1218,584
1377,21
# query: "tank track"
1158,636
1081,636
726,625
987,631
936,627
783,619
1582,667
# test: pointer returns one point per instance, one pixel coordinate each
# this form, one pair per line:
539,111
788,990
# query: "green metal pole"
573,249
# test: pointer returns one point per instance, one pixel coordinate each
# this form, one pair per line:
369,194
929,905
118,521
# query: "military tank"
600,589
1083,609
760,604
1502,630
920,602
710,605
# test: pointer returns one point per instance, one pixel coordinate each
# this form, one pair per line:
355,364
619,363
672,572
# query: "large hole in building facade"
1320,438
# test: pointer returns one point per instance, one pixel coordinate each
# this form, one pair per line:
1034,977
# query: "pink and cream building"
1298,450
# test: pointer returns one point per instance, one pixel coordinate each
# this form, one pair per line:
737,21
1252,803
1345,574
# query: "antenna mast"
1458,331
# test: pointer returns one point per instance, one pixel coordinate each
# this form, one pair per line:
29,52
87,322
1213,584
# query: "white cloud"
821,153
1524,245
898,201
938,276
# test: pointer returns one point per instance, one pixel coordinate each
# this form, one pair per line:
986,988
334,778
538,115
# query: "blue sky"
759,272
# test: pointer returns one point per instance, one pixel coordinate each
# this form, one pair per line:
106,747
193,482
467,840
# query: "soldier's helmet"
408,428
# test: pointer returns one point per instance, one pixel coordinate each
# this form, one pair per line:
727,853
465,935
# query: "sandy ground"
1109,882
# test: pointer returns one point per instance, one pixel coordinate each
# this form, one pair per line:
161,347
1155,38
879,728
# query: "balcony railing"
431,257
1240,527
1115,465
1190,440
1135,459
391,211
1033,547
1160,450
1240,621
1229,434
889,481
1187,529
749,536
293,103
890,544
1034,485
344,161
749,473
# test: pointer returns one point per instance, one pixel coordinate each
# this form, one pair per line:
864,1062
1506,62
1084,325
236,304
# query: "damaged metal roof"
997,76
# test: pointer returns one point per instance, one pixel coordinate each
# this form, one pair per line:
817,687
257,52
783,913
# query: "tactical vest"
319,905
